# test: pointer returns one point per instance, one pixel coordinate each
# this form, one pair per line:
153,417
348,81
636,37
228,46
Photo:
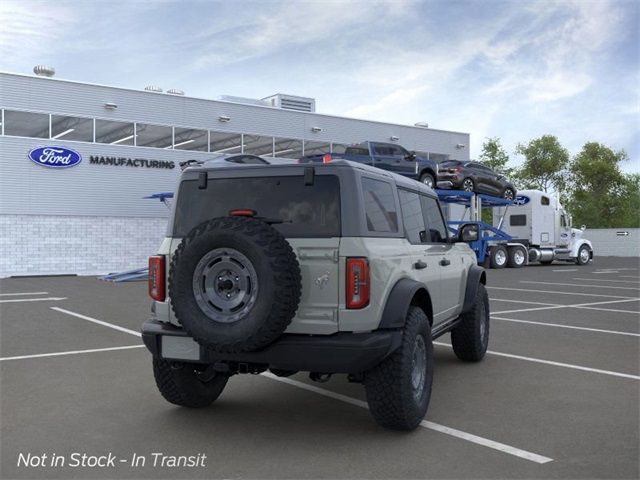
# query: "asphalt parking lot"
556,397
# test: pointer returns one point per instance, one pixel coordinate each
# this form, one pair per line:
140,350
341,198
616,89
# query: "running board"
444,327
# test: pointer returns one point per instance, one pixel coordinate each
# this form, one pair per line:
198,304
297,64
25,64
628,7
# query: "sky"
509,69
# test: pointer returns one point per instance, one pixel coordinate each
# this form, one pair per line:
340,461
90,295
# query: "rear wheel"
399,389
184,385
499,256
428,180
517,257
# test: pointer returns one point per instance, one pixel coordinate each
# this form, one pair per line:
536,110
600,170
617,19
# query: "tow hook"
320,377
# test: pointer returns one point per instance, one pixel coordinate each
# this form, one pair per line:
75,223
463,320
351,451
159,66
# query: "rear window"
450,163
357,151
305,210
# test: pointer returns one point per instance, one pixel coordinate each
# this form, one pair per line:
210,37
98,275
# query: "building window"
26,124
72,128
257,145
379,206
225,143
157,136
190,139
287,148
115,133
338,148
316,148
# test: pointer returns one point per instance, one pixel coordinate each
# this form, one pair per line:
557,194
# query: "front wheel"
399,388
183,385
470,338
508,194
584,255
499,257
428,180
468,185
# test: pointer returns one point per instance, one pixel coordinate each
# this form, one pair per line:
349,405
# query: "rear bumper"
342,352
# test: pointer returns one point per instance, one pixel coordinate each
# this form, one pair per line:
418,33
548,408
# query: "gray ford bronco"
336,268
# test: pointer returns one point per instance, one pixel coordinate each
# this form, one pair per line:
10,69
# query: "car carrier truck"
538,221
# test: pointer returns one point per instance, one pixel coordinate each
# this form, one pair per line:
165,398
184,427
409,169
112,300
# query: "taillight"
358,284
156,278
242,212
326,158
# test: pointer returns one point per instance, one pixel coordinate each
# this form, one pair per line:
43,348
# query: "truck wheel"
234,284
517,257
181,384
584,255
468,185
428,180
399,388
498,256
470,337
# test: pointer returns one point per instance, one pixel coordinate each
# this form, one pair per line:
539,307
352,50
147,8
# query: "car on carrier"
328,269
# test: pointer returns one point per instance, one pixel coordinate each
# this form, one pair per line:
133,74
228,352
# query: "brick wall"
50,245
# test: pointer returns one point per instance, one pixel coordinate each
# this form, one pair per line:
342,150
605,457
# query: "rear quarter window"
304,210
380,206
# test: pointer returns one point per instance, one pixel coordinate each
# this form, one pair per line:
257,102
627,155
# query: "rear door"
443,252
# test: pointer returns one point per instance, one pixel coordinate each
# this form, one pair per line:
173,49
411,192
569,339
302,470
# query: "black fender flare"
476,276
400,299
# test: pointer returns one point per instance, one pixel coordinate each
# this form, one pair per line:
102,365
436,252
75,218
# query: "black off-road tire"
496,260
425,177
469,339
180,384
389,385
277,293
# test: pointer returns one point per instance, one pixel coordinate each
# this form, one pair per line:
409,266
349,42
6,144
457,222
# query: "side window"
517,220
380,206
382,150
397,151
436,228
412,216
544,201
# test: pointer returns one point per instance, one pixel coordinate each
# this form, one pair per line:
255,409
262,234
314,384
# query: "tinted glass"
450,164
412,216
72,128
433,220
115,133
357,151
26,124
305,210
287,148
157,136
380,206
247,160
544,201
518,220
190,139
227,143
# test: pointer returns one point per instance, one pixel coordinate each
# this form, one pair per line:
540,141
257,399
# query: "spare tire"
234,284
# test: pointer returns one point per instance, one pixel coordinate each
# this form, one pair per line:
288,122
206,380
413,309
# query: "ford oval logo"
55,157
521,200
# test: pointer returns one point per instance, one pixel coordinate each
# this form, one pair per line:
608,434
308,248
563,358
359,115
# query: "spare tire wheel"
234,284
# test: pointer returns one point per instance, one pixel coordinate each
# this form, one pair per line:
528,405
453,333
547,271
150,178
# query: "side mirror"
469,232
583,228
411,156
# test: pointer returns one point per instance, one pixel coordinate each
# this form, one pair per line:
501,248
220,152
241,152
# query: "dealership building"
77,160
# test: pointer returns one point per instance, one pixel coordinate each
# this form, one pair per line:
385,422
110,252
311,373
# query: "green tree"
600,195
545,164
494,156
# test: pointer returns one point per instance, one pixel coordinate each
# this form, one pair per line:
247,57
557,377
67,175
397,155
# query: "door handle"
444,262
419,265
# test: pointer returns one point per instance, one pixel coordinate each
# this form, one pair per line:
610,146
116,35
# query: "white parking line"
533,457
628,276
71,352
560,293
605,280
22,293
581,285
522,301
566,270
577,305
20,300
556,364
572,327
99,322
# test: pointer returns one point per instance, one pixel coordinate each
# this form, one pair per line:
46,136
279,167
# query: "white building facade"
77,159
